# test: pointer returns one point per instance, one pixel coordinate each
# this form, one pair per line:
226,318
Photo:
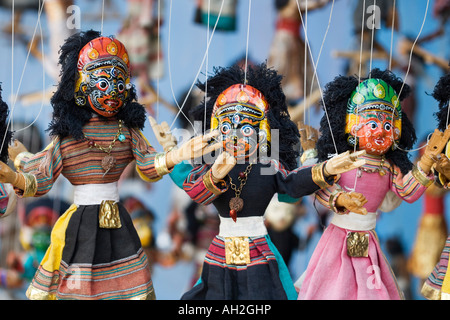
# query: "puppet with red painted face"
96,130
348,262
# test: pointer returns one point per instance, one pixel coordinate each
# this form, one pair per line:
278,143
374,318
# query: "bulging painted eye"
121,86
247,130
102,84
372,125
387,126
225,128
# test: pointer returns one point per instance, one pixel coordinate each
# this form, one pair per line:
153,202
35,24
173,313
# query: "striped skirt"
437,286
86,262
265,277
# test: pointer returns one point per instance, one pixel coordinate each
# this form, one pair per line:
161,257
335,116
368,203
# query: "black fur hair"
266,80
5,134
441,93
336,95
69,118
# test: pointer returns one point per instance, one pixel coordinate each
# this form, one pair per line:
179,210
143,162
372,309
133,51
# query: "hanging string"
158,59
248,35
362,40
392,35
180,109
305,61
13,21
206,66
43,82
315,66
373,33
103,12
9,122
315,71
412,47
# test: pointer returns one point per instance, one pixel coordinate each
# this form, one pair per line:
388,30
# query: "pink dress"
332,273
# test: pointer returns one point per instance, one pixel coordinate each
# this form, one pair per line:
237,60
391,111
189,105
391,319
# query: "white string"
206,66
305,62
12,47
198,72
318,82
103,11
371,43
412,48
248,34
43,82
22,75
392,36
361,44
321,47
158,59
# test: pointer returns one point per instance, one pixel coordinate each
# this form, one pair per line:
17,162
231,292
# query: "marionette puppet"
96,130
348,262
437,285
249,108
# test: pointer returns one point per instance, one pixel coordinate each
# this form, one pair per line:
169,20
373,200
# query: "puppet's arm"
412,185
205,183
35,173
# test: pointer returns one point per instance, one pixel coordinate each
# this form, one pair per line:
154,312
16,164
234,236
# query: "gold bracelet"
211,186
421,177
318,175
18,160
161,165
30,184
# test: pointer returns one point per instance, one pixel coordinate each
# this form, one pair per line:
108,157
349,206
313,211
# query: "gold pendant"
358,244
237,251
108,216
382,172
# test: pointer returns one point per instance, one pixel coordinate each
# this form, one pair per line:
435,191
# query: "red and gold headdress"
102,52
243,99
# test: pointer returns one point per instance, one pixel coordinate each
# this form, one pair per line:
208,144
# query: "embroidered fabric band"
92,194
160,164
421,176
30,184
318,175
245,226
354,221
211,186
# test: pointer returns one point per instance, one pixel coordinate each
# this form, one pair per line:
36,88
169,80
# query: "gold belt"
237,250
358,244
108,217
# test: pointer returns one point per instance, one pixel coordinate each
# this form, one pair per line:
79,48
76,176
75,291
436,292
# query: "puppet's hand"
193,148
163,134
308,136
443,166
435,146
352,201
7,175
15,149
223,164
344,162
